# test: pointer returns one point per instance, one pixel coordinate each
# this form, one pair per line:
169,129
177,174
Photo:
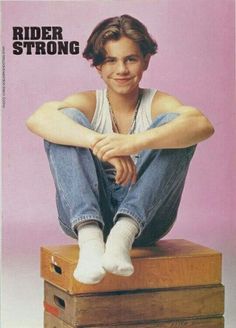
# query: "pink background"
195,63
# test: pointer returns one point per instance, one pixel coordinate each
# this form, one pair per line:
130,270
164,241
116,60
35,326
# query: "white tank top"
102,122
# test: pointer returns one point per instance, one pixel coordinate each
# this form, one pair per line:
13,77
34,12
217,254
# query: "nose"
121,68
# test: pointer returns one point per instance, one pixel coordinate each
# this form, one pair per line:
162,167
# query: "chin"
124,89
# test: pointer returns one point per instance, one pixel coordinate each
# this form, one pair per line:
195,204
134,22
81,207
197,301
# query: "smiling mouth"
122,80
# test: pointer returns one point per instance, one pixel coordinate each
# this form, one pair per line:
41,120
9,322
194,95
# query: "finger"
133,178
125,176
127,172
101,137
99,144
116,150
110,153
132,171
119,170
100,153
96,149
120,173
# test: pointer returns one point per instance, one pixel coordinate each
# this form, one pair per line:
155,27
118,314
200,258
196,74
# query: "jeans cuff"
68,231
75,223
125,212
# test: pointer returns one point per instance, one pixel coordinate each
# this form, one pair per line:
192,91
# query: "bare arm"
50,123
188,128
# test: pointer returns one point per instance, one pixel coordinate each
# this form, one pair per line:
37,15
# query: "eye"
110,60
131,59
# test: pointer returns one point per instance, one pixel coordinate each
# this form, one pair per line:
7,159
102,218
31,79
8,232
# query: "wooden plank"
130,307
51,321
171,263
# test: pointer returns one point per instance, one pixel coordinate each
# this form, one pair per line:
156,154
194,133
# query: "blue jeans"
85,193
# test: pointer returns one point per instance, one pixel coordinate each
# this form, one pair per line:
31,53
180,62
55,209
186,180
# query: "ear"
99,69
146,61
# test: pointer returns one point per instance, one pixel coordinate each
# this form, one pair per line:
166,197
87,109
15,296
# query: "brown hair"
113,29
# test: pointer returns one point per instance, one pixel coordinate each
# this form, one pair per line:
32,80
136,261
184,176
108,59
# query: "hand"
125,170
93,138
115,145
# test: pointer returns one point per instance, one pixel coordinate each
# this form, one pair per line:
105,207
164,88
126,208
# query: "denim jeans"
84,192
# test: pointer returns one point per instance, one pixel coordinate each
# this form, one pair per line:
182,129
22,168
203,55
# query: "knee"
190,151
77,116
166,118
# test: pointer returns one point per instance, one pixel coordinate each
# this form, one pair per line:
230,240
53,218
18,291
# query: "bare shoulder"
84,101
164,103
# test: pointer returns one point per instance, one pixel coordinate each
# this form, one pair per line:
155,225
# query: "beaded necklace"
113,118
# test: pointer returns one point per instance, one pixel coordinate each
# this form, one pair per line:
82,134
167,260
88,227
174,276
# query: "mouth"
122,80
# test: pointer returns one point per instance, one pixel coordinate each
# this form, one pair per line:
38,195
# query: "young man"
119,156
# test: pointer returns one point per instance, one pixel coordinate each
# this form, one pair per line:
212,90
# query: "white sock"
89,269
119,243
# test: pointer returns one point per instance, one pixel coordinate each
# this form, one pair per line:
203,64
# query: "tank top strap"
101,121
144,117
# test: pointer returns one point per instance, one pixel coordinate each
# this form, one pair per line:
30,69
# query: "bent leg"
164,218
80,184
154,200
78,177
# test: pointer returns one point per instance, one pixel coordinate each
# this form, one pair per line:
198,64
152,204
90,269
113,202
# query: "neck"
123,102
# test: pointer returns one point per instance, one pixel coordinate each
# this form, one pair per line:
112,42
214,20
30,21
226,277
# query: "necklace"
113,118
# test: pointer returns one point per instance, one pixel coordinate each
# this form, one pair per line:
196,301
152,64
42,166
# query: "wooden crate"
171,263
134,306
50,321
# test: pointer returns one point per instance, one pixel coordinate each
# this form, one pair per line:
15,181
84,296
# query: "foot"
117,259
89,269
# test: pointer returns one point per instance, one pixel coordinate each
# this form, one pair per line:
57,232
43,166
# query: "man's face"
124,65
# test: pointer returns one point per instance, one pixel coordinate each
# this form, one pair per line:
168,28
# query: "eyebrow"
131,55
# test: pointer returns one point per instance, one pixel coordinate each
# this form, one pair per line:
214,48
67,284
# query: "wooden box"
50,321
134,307
171,263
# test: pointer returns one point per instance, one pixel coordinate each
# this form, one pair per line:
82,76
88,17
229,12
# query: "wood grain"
131,307
171,263
51,321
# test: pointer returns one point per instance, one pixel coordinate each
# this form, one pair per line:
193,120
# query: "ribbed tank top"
102,122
